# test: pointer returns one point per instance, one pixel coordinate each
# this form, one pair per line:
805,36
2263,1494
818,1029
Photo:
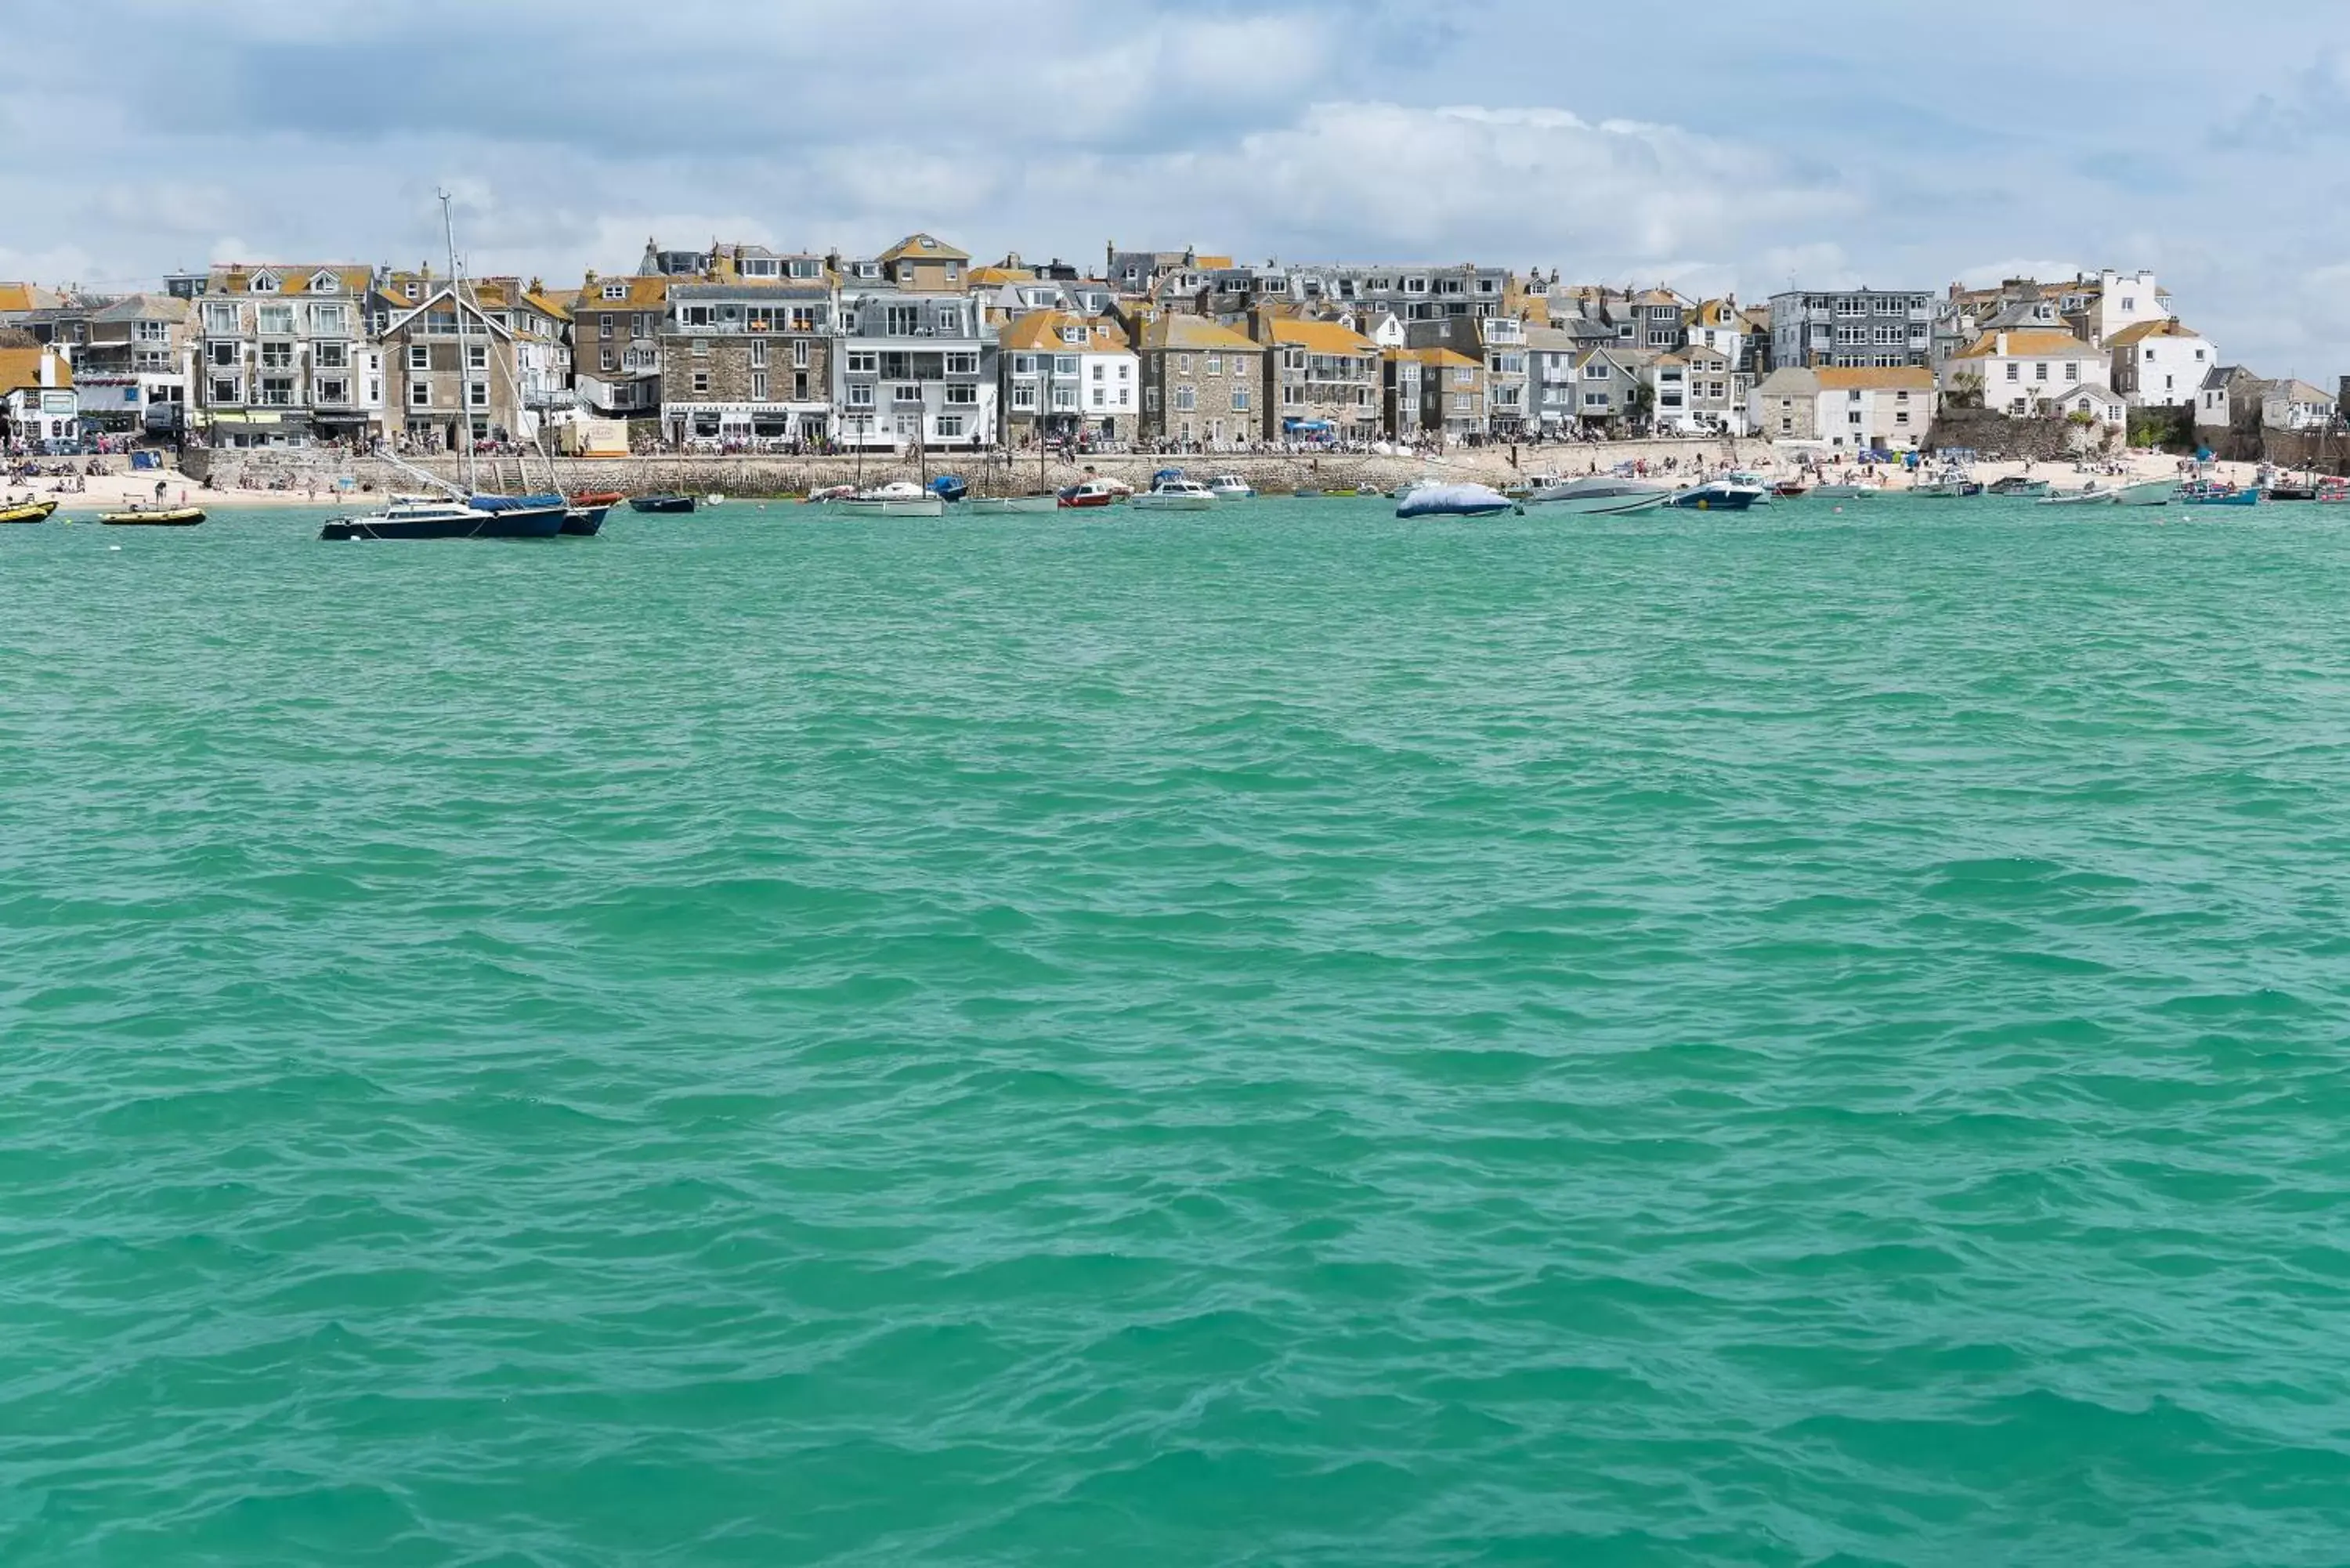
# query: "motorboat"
948,488
153,517
1594,495
26,511
1230,487
1093,492
1176,495
1455,499
2148,493
665,503
1857,491
1791,490
422,517
2214,493
1717,495
1950,487
2016,487
899,498
2091,496
1001,505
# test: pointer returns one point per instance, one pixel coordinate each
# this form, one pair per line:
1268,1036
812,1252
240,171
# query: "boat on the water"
2213,492
1717,495
2331,492
1593,495
948,488
422,517
2015,486
1791,490
2148,493
1951,487
1092,494
664,504
584,521
899,498
2091,496
1230,487
1455,499
1177,494
26,511
1001,505
1856,491
607,499
153,517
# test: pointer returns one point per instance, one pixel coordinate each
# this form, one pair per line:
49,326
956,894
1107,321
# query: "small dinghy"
1455,500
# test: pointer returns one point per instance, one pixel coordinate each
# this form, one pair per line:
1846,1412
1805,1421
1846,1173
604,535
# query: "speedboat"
1093,492
1595,495
666,503
26,511
1230,487
899,498
1859,491
2016,485
1791,490
422,517
1948,487
1453,500
1717,495
1001,505
155,518
1176,495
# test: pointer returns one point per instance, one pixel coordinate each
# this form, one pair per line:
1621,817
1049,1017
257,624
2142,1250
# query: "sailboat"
470,514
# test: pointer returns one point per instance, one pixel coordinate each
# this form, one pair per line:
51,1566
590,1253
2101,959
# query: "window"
225,355
334,391
1595,399
611,360
277,319
799,353
1186,398
477,394
1023,364
1901,417
2128,302
419,357
860,397
1101,371
697,316
477,355
327,317
702,348
225,389
1064,364
419,394
2014,372
901,320
906,393
330,356
604,328
277,356
1215,364
2072,370
1024,397
263,284
950,427
1853,418
1064,398
799,386
412,292
864,362
758,353
962,364
962,396
1239,399
611,291
701,383
1183,364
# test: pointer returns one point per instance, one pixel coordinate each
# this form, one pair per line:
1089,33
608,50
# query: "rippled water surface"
1282,1037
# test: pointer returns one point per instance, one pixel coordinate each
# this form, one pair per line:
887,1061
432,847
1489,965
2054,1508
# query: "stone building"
1321,380
747,360
1202,383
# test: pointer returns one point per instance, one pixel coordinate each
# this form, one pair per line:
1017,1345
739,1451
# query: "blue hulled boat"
1720,495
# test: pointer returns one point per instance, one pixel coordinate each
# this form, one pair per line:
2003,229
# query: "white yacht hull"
924,507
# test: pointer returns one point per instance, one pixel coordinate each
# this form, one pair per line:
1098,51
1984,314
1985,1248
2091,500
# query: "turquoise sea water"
1282,1038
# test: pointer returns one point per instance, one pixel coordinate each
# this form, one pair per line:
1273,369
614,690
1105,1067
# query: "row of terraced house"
739,346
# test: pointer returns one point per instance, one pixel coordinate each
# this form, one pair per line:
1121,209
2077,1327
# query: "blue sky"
1714,145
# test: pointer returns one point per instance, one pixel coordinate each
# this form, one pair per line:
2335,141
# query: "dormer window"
325,283
263,282
611,291
413,291
1074,334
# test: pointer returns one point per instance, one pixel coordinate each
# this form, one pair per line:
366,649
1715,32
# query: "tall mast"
464,364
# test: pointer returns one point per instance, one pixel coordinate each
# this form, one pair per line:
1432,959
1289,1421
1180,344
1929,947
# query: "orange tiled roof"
1321,337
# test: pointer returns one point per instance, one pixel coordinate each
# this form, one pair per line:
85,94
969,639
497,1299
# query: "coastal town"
736,349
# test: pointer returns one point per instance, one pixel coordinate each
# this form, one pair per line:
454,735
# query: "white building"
1854,410
2295,406
37,401
1068,375
283,356
2121,300
913,368
2018,371
2160,364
